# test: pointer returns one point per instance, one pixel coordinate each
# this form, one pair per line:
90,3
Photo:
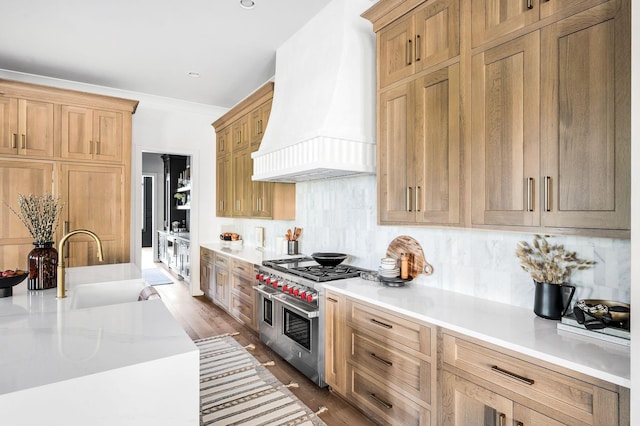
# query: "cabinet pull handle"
90,147
417,50
24,141
97,147
417,205
381,324
529,4
408,52
547,192
530,194
502,419
515,376
332,300
408,198
518,423
14,140
381,402
383,361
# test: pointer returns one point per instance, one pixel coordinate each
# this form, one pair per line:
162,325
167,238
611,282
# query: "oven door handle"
309,314
266,294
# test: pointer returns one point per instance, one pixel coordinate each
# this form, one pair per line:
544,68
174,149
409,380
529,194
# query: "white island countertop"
508,326
43,341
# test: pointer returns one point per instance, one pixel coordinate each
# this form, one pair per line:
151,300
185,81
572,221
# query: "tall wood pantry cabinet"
516,116
74,145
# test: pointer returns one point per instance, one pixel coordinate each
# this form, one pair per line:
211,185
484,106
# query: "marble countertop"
43,340
246,253
508,326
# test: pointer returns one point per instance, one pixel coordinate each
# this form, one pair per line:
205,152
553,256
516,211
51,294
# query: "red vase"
43,266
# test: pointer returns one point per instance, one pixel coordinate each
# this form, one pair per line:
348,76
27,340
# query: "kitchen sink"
106,293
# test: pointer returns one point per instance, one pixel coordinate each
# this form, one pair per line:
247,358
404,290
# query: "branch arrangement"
39,213
549,263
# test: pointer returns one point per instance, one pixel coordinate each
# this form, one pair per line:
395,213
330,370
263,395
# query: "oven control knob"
311,297
296,292
268,281
260,277
291,290
274,283
285,287
257,276
303,295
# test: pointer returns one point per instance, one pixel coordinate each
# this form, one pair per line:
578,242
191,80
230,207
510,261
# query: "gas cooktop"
308,268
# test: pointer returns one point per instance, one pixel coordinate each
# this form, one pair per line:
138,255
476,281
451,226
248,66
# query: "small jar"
404,266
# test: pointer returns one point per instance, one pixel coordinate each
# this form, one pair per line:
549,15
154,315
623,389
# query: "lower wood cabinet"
229,283
481,381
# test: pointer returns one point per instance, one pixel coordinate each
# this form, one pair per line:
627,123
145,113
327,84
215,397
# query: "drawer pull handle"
381,324
332,300
383,361
517,377
381,402
519,423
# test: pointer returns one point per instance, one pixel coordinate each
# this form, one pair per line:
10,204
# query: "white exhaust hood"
322,122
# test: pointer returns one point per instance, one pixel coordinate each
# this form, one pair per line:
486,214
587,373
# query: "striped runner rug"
236,389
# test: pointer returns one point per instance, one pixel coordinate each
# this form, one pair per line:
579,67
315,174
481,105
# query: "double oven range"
291,310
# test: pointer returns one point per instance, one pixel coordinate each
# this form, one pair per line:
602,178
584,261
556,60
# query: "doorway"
148,203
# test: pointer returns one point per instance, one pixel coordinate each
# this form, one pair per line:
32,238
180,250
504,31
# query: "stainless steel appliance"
291,310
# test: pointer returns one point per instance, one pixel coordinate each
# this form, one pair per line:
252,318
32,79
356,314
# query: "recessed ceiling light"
193,74
247,4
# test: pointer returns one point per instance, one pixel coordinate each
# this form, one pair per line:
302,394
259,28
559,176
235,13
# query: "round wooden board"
408,245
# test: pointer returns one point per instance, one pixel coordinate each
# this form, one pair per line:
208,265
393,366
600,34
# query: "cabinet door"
258,119
206,271
505,129
35,128
107,135
262,197
396,159
8,126
77,132
491,19
96,199
19,177
552,7
221,287
242,169
240,133
224,186
438,147
467,404
437,32
585,120
223,141
335,349
396,51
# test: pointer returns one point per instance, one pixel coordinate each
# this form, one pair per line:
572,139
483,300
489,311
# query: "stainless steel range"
291,310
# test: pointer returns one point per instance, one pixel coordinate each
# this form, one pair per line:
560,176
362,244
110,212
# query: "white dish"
388,267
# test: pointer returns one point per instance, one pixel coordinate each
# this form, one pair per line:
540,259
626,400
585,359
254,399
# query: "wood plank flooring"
201,318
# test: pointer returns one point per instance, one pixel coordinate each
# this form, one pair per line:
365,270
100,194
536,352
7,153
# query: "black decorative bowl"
7,283
329,259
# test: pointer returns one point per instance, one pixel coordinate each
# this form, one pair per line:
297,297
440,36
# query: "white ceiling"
150,46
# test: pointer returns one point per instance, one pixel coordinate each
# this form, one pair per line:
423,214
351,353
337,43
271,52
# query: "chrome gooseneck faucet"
63,240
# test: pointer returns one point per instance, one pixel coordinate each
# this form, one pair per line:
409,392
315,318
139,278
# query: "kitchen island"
126,363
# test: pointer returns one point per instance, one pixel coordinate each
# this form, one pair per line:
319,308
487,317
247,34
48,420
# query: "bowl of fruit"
10,278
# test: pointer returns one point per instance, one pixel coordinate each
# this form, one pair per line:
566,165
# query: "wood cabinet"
419,152
221,282
96,199
207,271
425,37
551,148
19,177
540,138
91,134
390,370
80,143
236,194
482,384
244,303
27,127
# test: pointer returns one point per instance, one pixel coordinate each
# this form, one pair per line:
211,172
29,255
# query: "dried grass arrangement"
40,214
549,263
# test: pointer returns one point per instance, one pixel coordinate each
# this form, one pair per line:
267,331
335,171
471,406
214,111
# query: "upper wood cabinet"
425,37
27,127
551,131
492,19
238,134
91,134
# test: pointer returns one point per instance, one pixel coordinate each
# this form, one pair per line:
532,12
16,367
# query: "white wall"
167,126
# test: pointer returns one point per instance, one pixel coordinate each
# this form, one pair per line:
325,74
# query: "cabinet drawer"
388,327
383,404
222,261
243,285
206,255
242,309
554,390
244,269
409,374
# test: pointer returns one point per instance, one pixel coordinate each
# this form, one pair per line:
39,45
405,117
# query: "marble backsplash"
340,215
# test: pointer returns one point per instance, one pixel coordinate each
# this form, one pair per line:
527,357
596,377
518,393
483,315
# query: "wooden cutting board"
409,245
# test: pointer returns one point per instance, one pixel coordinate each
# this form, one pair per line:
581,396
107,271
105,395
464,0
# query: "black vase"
43,266
551,300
